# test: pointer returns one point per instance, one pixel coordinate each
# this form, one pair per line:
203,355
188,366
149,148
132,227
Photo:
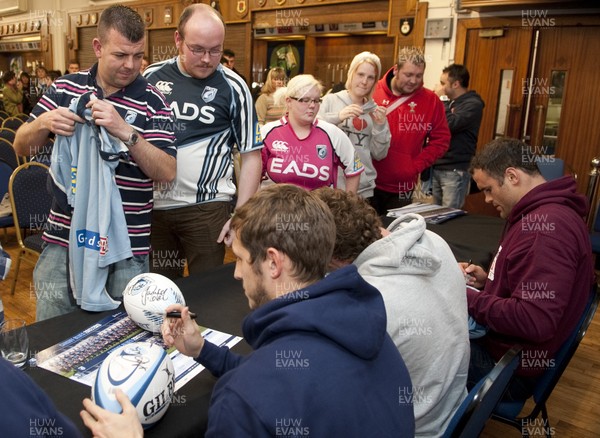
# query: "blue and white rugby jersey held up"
145,109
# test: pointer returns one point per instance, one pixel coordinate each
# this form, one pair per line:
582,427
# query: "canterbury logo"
164,87
280,146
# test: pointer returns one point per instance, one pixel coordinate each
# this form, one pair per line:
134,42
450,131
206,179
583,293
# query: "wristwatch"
133,139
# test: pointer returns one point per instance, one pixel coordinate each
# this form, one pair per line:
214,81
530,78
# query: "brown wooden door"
489,59
571,129
565,89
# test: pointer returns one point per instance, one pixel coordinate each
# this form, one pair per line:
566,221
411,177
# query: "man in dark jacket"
539,282
464,109
323,364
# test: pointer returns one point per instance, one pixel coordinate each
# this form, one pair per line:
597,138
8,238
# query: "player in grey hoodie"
424,294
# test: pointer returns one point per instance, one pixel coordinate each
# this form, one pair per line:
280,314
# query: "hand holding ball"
145,374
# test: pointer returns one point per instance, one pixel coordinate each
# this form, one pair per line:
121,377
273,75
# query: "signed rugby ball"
144,372
147,296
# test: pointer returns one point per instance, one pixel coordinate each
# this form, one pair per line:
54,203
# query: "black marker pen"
177,314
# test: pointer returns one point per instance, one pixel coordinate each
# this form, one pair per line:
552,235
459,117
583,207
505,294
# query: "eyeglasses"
213,53
307,100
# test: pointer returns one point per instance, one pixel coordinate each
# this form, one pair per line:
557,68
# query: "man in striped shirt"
214,113
132,111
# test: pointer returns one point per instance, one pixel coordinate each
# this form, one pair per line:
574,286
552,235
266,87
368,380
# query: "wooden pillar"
414,13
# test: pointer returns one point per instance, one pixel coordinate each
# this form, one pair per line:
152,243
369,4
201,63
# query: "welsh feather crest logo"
209,94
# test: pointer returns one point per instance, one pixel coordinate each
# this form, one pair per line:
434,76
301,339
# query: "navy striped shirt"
145,109
212,116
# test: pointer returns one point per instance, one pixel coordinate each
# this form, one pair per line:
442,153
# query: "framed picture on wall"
16,64
288,55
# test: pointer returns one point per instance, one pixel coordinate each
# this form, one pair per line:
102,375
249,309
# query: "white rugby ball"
144,372
147,296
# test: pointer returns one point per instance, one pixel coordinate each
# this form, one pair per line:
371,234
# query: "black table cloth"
219,301
470,237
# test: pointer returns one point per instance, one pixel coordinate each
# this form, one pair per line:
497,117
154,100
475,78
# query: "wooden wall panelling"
419,31
517,58
72,38
574,50
259,59
328,58
311,49
256,5
153,12
401,9
462,28
376,10
336,53
497,5
82,25
464,25
235,11
13,44
319,51
578,137
236,39
46,38
487,58
85,54
161,45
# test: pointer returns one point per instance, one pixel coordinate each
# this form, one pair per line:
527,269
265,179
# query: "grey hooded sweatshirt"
424,294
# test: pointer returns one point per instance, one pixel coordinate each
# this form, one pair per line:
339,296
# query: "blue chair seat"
30,201
6,222
460,415
34,242
509,409
469,419
6,171
551,167
507,412
595,238
8,154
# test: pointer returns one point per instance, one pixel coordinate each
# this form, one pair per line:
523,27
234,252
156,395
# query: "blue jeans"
450,187
51,282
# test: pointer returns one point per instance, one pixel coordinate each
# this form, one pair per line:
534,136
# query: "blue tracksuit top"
27,410
323,366
83,171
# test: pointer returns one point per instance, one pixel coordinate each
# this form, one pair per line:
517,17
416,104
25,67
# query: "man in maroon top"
539,282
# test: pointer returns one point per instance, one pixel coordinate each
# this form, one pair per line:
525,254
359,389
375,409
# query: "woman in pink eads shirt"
301,150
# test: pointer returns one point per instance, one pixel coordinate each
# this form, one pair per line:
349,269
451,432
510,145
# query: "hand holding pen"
469,279
180,330
474,275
